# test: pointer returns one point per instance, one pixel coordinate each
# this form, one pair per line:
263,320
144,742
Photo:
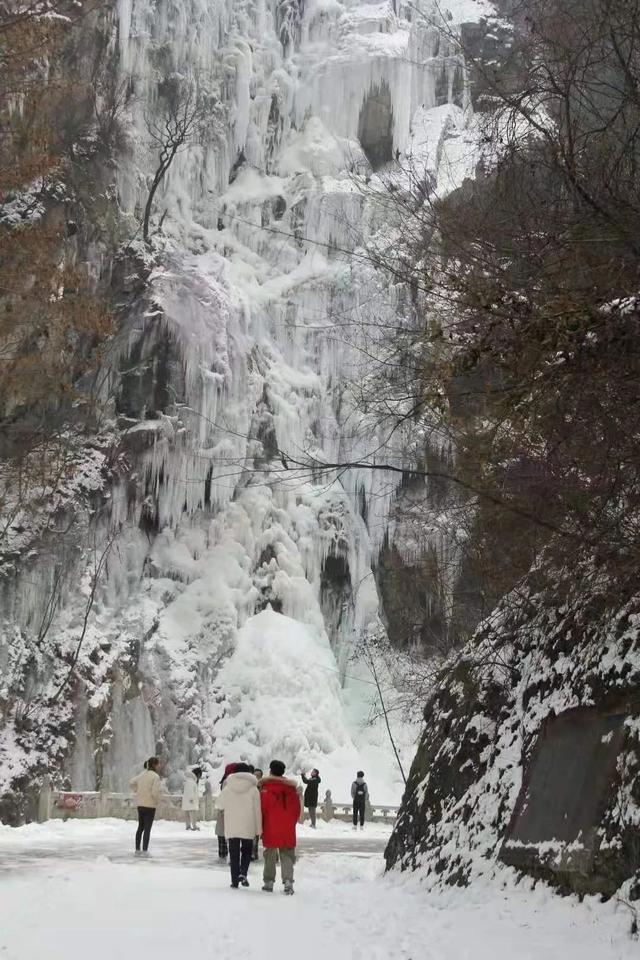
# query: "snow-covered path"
73,891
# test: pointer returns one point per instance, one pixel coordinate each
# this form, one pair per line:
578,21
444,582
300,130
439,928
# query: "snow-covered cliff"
233,379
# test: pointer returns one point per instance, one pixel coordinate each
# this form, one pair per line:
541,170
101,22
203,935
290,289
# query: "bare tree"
177,128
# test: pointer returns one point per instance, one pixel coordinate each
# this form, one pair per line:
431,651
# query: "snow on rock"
549,648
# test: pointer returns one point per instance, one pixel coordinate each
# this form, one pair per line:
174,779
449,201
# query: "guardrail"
374,812
86,805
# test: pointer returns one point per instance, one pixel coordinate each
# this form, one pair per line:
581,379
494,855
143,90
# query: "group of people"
251,807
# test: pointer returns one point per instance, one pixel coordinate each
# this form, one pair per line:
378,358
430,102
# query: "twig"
374,673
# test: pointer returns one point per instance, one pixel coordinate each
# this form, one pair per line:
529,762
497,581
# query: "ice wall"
258,323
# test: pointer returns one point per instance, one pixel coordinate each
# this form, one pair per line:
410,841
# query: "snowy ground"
73,891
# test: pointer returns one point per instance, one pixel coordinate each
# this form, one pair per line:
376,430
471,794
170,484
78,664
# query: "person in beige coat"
240,801
148,790
191,797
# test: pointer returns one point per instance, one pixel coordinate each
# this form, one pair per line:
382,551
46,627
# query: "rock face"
531,752
564,794
375,127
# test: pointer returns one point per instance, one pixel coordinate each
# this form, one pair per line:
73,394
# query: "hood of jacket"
240,782
271,779
359,780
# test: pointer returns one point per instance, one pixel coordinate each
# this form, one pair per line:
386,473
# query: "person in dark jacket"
280,800
359,795
311,794
255,855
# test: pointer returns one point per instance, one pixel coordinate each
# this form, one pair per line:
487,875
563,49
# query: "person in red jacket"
281,808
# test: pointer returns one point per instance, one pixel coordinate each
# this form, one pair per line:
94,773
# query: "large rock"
532,746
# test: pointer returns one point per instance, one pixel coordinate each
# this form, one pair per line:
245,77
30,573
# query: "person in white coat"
240,801
191,797
148,790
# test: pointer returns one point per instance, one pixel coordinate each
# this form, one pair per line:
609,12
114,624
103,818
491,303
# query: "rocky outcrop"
548,690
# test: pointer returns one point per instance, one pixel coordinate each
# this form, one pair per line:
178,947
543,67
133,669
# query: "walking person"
281,808
191,797
311,794
148,789
223,849
240,802
360,797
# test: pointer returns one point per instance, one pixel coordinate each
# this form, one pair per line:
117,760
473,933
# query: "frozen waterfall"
234,378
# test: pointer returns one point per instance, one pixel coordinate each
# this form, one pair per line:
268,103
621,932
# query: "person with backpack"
240,802
311,794
191,797
281,808
148,790
360,796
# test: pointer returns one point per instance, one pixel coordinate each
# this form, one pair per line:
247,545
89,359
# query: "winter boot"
267,886
288,887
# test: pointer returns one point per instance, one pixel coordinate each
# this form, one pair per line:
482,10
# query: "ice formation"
258,319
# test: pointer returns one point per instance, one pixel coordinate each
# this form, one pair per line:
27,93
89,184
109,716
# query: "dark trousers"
358,811
256,849
223,849
239,857
145,822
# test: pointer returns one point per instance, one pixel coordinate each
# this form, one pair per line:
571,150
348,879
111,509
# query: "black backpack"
361,790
